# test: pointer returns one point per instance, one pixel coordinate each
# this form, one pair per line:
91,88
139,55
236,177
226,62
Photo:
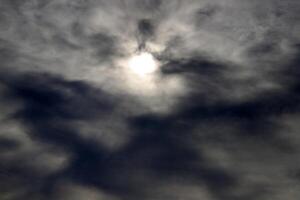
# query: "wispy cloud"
218,120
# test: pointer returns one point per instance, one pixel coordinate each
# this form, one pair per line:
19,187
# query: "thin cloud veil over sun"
143,63
149,99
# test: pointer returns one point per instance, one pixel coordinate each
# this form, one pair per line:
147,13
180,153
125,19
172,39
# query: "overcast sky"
219,119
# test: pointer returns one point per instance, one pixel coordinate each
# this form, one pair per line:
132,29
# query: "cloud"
218,120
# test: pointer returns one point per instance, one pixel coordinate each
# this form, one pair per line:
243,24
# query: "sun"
143,64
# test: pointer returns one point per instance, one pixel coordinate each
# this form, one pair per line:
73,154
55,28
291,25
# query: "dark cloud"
219,119
8,144
164,144
50,104
145,31
161,145
198,66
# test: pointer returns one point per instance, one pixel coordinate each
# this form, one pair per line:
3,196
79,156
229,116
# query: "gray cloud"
218,120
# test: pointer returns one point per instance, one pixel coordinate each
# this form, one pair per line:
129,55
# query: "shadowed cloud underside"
149,99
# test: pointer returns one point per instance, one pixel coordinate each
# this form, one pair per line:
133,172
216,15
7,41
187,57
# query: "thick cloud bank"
218,120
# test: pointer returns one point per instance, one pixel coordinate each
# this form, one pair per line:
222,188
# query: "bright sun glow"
143,63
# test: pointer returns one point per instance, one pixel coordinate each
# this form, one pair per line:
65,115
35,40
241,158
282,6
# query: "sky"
149,100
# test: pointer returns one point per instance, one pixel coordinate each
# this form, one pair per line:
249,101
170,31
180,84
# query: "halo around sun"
143,63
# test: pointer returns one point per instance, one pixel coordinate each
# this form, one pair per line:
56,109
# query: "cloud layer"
219,120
